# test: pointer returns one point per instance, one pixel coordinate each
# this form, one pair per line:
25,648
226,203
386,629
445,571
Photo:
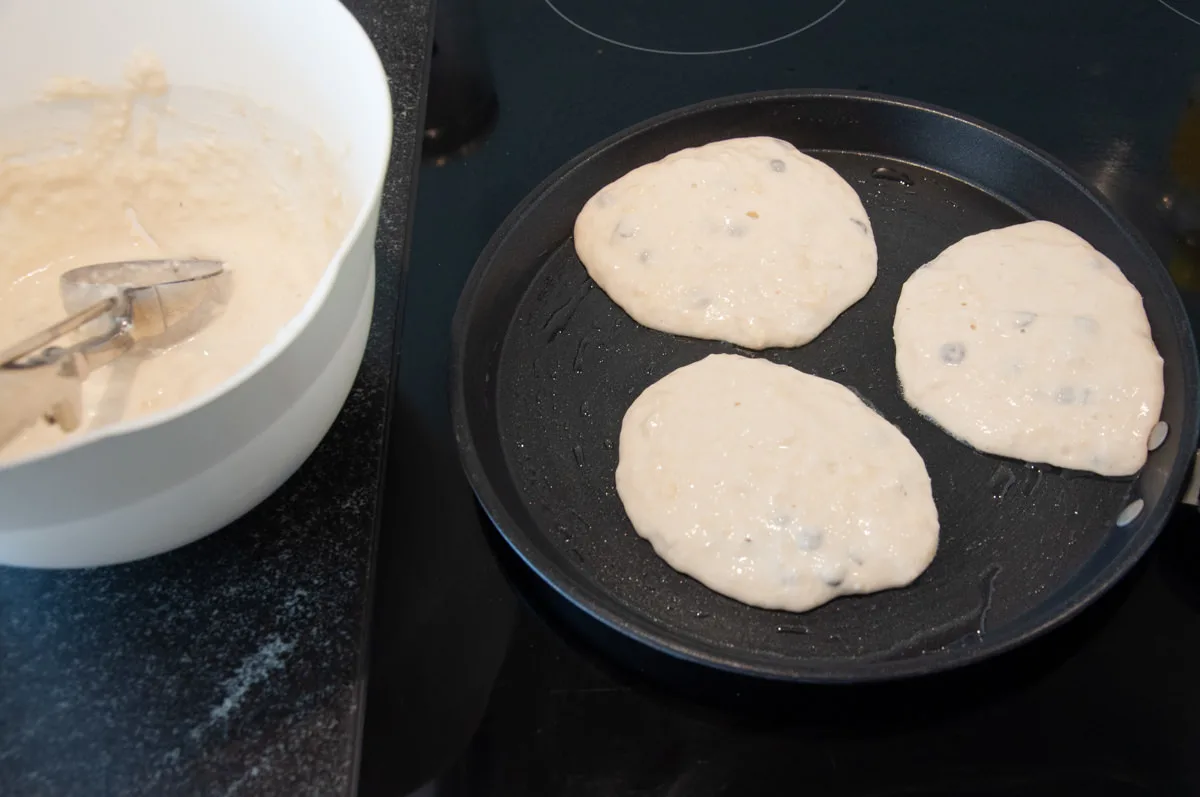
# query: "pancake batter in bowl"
144,180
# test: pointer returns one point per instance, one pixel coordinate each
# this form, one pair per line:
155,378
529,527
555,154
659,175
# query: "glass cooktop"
482,685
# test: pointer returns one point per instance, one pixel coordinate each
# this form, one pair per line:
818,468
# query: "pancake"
1027,343
747,240
773,487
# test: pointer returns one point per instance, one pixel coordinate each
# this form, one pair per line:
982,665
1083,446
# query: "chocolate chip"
833,574
808,538
952,353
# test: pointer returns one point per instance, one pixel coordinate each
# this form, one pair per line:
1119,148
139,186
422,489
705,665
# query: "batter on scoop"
746,240
1028,343
774,487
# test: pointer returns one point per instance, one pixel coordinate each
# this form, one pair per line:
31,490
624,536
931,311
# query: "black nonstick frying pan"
545,366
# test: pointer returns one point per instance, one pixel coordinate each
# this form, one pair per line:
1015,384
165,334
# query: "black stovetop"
479,686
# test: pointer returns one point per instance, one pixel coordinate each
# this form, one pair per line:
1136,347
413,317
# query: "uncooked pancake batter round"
1028,343
746,240
774,487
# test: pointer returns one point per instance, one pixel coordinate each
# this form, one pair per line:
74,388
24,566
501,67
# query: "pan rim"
591,600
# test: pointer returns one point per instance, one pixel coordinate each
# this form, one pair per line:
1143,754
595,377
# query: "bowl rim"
294,326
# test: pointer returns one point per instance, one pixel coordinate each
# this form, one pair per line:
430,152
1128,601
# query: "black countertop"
235,665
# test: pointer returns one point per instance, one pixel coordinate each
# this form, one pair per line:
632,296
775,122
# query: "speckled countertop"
234,665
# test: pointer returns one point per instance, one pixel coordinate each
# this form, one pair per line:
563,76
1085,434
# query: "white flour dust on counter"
98,173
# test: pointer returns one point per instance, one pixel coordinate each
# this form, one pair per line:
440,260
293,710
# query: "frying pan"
545,365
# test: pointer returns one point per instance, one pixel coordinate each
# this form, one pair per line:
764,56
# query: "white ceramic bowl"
140,488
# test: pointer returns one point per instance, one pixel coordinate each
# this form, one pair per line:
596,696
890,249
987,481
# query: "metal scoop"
113,306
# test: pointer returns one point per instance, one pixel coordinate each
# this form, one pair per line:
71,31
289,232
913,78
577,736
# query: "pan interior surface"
548,364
